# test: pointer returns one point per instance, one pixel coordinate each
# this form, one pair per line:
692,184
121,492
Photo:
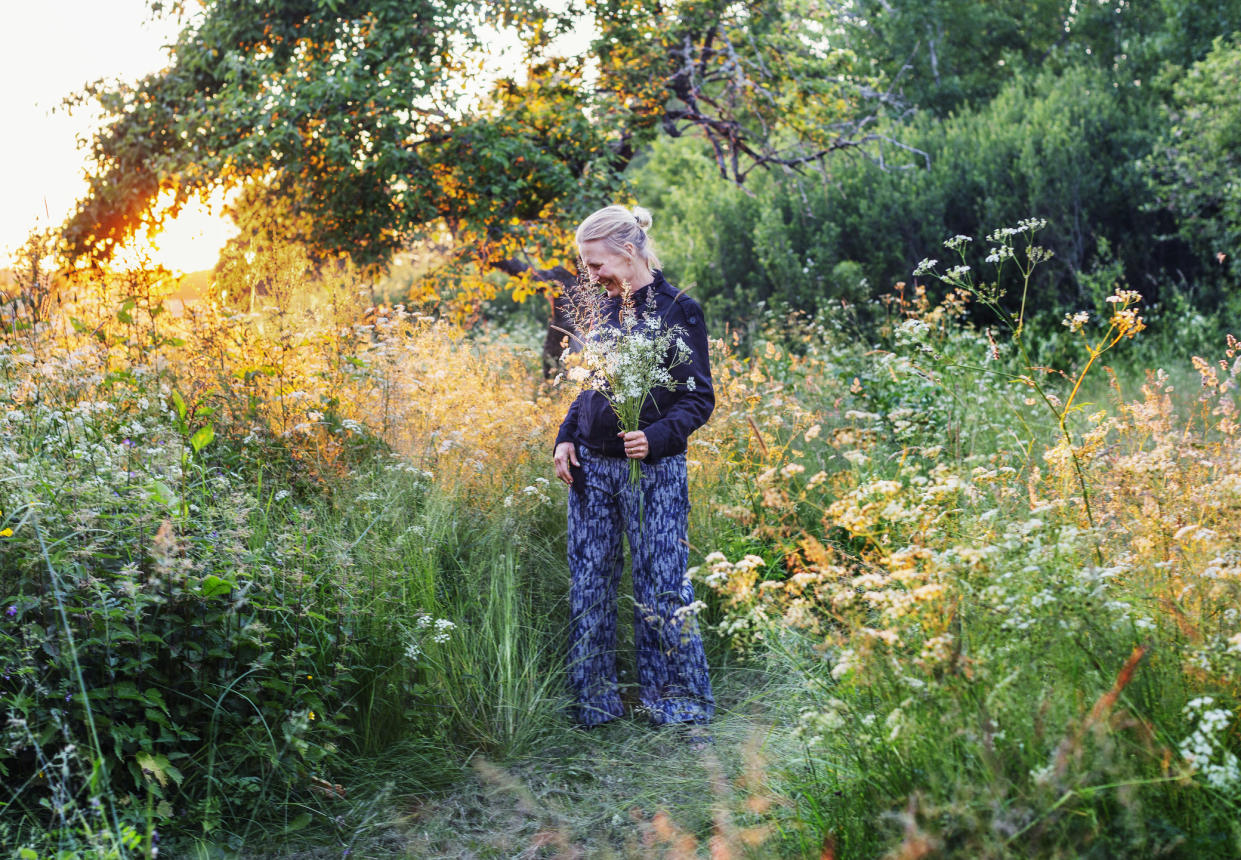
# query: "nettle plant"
152,642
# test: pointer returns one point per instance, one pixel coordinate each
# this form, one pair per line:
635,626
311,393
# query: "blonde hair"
617,226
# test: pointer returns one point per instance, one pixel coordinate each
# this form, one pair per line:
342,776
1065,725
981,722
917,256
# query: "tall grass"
223,581
278,576
1014,612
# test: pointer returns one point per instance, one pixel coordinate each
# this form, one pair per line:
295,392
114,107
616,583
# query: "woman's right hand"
566,454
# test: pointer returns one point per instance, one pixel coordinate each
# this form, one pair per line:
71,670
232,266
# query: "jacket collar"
659,285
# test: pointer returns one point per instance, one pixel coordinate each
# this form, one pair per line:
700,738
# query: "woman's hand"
566,454
636,445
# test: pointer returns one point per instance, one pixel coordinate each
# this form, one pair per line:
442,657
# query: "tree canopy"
374,120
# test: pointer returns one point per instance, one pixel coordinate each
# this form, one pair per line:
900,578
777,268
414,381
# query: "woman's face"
612,269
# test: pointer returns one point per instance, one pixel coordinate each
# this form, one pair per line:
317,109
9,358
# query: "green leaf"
158,766
214,586
298,823
248,374
115,376
163,494
202,437
179,403
126,690
124,314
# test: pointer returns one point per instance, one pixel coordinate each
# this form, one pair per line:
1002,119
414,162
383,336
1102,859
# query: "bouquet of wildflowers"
627,363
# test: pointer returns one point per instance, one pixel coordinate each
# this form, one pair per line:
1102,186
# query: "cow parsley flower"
1074,322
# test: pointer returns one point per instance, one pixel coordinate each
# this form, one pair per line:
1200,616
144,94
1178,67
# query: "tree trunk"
555,284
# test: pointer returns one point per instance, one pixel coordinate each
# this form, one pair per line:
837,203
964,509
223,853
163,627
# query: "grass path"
621,790
597,793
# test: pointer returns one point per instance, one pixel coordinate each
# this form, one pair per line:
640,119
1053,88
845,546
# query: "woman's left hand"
636,445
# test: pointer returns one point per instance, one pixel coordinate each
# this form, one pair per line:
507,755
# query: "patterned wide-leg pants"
654,515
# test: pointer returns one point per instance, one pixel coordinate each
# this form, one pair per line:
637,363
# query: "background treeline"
1119,124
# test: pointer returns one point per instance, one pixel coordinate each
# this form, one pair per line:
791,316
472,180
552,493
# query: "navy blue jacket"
668,417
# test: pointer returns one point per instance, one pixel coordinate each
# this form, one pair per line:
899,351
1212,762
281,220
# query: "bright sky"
50,49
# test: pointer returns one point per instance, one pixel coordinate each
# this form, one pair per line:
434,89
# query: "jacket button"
693,320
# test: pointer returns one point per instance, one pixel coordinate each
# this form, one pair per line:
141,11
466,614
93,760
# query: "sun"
191,242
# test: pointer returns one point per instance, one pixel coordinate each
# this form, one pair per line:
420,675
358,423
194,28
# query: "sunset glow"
190,242
43,165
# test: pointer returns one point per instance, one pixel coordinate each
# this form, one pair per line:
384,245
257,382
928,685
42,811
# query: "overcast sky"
49,49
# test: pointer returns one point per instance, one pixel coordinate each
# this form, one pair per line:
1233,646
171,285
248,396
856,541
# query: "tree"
358,116
948,54
1194,169
336,104
358,111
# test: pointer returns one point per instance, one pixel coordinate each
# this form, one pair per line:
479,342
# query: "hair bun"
643,217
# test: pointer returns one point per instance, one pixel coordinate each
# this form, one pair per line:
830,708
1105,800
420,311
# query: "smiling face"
611,268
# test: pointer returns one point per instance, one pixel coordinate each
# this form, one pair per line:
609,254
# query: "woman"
592,456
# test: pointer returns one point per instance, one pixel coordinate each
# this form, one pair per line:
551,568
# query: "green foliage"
256,651
947,54
224,618
173,610
205,622
361,123
1193,170
336,108
951,55
1060,146
1135,43
980,681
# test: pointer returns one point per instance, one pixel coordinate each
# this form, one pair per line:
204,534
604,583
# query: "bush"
1193,170
1058,146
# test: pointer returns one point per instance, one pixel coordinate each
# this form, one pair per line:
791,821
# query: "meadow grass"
287,584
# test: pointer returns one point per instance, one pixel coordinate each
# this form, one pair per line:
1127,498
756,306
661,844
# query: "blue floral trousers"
654,515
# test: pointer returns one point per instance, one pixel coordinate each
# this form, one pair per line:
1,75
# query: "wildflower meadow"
283,578
283,565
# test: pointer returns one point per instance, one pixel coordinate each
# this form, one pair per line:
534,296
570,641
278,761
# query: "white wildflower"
913,329
689,611
1074,322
